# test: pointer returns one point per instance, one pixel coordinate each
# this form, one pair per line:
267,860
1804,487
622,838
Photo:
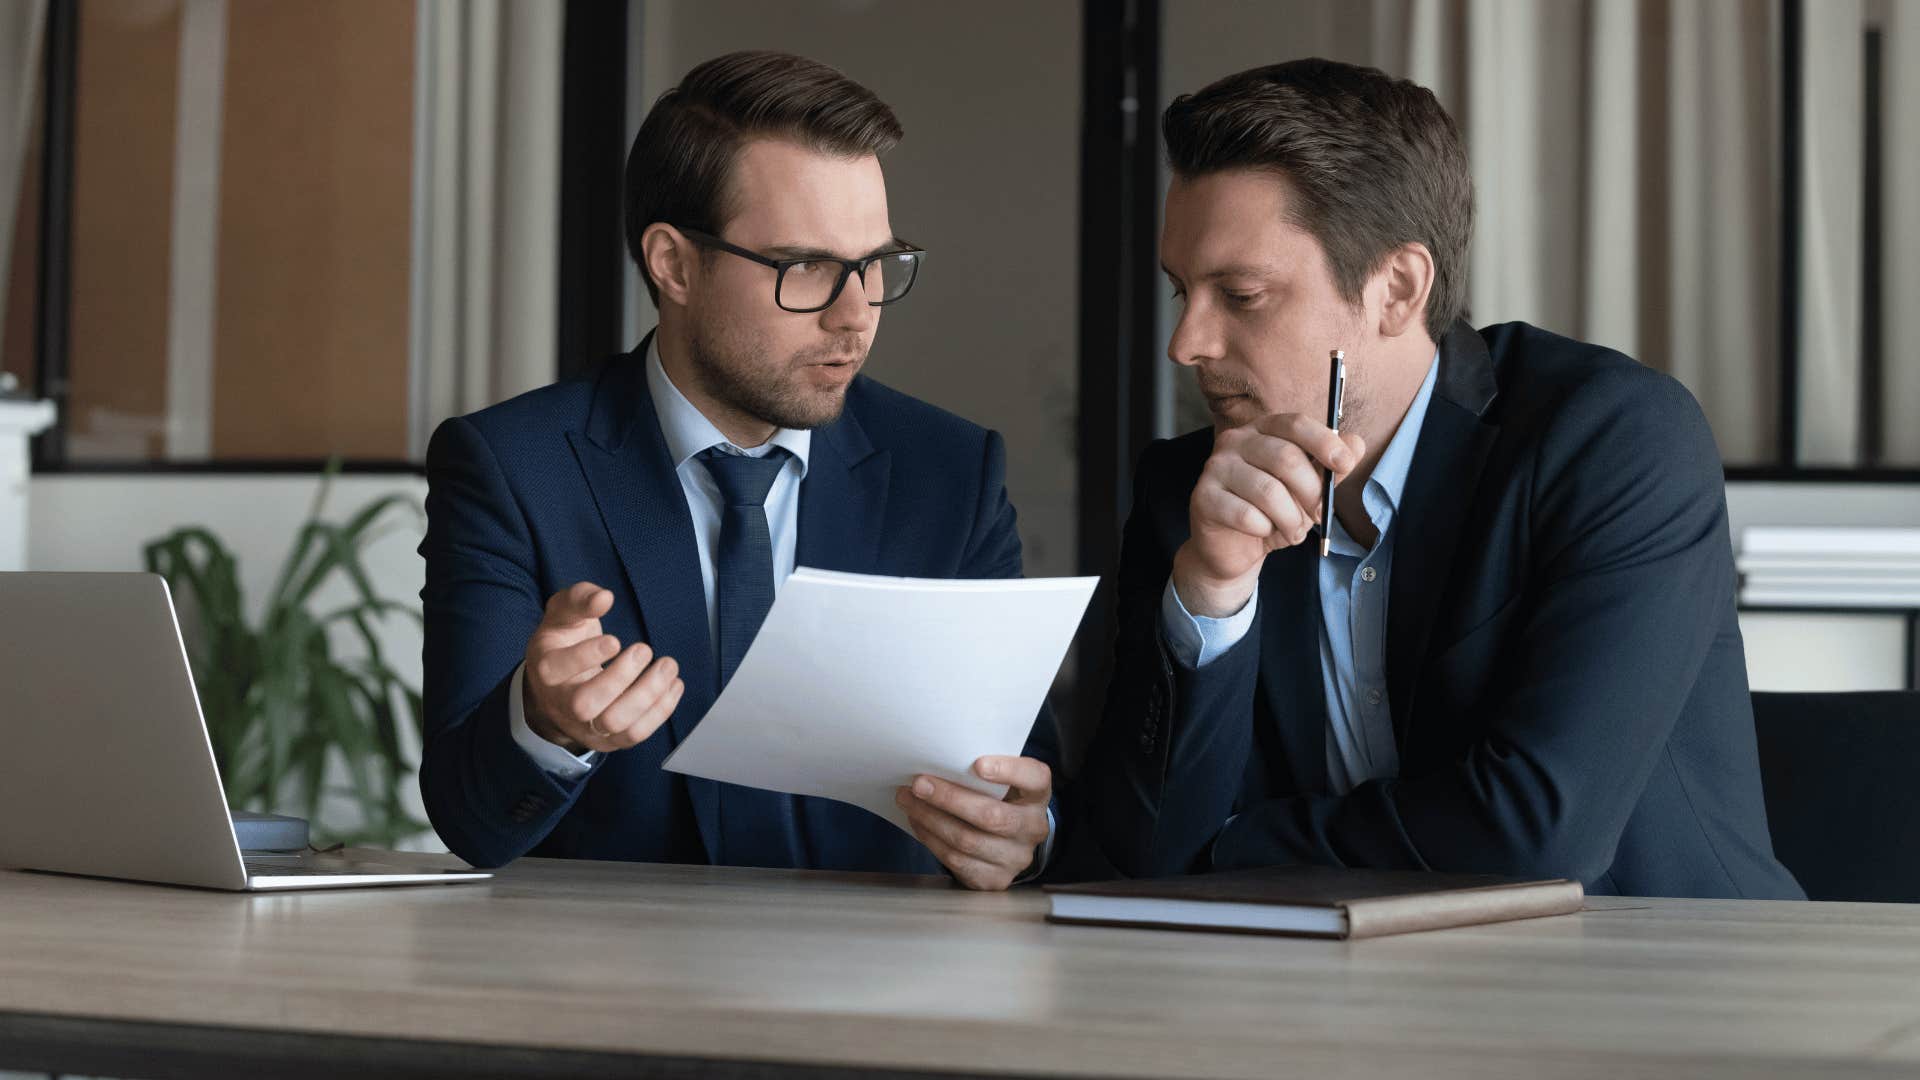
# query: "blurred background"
242,238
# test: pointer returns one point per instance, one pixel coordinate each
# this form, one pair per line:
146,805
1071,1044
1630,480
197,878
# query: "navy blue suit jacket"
1564,667
573,482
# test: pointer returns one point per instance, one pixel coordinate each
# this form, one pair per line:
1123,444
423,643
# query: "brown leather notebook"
1314,901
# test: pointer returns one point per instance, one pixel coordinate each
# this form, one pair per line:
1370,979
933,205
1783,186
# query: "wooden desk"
606,969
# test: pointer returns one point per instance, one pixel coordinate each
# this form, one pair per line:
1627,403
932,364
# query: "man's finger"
648,720
549,635
1285,496
962,838
967,870
1029,780
634,701
589,699
1316,438
1290,465
1287,519
560,666
1215,504
982,812
659,713
577,603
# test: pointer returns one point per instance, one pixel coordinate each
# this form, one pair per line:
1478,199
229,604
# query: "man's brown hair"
682,159
1373,162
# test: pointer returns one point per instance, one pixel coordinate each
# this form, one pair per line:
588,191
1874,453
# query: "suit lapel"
627,465
843,500
1446,470
1290,680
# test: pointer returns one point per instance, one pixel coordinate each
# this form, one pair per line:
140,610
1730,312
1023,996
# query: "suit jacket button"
1146,744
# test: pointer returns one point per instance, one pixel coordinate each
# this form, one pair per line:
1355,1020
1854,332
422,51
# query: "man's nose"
850,310
1193,340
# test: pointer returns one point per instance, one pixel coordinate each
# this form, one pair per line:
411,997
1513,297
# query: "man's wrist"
539,725
1210,598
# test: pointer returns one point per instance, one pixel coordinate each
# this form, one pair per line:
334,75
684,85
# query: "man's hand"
571,700
1259,492
986,842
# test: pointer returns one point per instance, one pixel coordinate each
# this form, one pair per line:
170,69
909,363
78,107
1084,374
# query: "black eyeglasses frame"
848,267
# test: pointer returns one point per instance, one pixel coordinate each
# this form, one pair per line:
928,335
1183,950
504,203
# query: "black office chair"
1842,780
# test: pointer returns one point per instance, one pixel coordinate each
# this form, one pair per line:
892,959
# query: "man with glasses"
601,552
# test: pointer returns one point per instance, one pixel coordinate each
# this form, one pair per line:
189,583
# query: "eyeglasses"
814,283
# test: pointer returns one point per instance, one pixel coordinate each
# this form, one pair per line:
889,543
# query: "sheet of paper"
856,684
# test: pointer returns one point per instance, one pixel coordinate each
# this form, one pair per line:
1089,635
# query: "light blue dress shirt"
1353,619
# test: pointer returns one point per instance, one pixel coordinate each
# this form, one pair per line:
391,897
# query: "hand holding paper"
856,685
987,843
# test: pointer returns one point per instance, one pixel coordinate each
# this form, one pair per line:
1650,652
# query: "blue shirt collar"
687,429
1389,478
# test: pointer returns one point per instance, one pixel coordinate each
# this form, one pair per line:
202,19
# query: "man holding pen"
1519,654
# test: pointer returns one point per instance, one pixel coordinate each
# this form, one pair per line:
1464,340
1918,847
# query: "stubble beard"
742,376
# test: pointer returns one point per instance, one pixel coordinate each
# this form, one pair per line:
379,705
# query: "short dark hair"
682,158
1373,161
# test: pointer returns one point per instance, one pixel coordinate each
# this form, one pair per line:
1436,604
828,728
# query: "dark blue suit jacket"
1564,667
573,482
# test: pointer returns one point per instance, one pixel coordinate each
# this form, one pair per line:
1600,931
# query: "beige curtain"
22,23
1833,228
1628,159
486,205
1625,154
1830,235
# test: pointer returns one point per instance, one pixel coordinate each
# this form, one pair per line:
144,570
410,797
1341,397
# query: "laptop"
105,765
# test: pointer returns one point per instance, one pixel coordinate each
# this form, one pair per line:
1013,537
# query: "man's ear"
1406,279
669,256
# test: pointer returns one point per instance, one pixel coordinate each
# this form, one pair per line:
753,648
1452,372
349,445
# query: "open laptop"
105,764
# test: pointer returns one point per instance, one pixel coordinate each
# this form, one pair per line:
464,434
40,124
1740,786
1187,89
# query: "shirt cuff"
552,757
1197,640
1046,854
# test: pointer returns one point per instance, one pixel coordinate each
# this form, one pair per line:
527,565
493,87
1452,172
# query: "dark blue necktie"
757,828
743,565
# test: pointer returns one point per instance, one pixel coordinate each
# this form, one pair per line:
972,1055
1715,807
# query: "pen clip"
1337,410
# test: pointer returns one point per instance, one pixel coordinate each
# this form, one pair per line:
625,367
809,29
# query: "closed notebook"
1314,901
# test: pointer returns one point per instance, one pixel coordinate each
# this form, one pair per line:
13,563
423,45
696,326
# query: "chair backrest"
1842,779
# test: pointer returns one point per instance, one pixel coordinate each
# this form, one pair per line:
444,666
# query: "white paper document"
856,684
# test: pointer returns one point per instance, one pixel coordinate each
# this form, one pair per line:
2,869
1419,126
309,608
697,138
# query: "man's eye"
1242,299
806,269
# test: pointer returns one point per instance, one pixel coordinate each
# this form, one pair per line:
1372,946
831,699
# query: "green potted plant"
288,711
